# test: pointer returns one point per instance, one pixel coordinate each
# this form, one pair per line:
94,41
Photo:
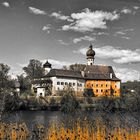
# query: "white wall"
90,62
118,85
76,87
47,70
40,91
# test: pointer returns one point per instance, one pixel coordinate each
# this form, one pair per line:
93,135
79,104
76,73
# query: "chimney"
83,73
111,75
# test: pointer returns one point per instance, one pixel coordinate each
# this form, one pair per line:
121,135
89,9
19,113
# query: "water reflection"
48,117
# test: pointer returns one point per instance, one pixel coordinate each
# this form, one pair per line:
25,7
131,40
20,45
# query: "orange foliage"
16,131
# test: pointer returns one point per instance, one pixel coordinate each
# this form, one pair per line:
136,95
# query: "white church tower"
90,55
47,66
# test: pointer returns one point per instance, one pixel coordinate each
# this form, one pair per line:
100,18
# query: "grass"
84,131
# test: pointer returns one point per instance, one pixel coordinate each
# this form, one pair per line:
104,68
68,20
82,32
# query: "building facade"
101,79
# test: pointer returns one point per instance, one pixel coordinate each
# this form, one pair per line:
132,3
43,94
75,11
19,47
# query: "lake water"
34,117
48,117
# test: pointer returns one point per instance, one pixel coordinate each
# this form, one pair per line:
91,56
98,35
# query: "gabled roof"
40,81
98,69
92,76
91,72
100,72
64,73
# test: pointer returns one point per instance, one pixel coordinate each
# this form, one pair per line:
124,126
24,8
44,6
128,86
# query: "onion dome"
90,53
47,65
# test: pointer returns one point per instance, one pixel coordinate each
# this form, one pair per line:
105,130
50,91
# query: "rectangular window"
58,83
96,90
73,84
80,85
96,85
66,83
62,83
70,84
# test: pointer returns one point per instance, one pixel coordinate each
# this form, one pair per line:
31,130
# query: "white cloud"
133,10
126,74
87,38
61,16
120,56
129,30
22,64
57,63
136,7
47,28
12,76
89,20
36,11
126,37
126,11
123,32
100,33
119,33
63,43
6,4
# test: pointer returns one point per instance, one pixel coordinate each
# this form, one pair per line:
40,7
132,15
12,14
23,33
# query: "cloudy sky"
61,31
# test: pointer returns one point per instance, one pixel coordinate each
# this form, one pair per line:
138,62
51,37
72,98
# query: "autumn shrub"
131,101
106,103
